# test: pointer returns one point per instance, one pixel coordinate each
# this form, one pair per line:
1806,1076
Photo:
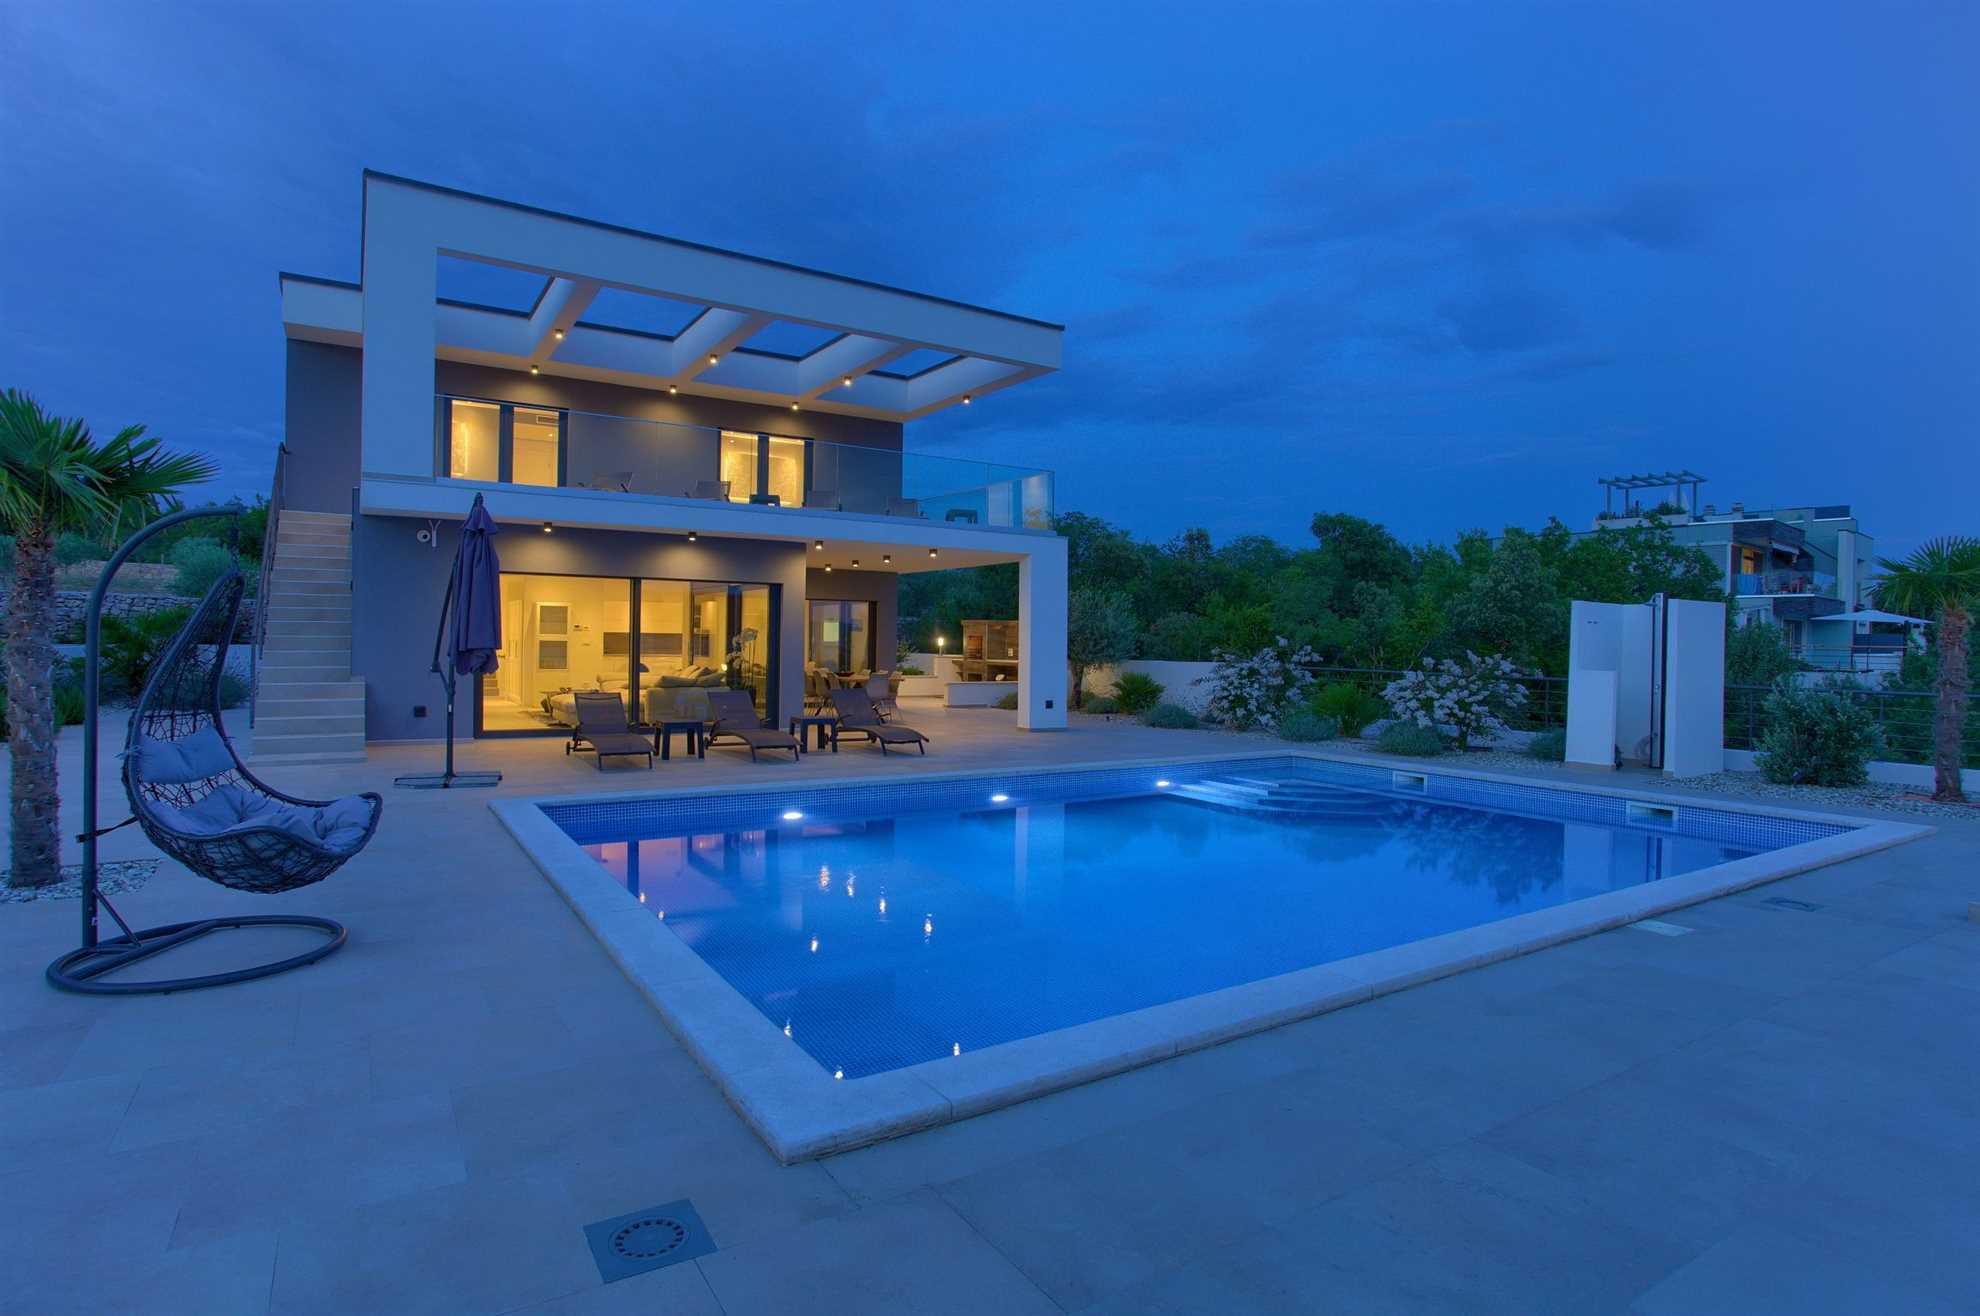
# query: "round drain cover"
643,1240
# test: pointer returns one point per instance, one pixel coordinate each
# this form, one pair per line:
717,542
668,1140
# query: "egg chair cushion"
196,757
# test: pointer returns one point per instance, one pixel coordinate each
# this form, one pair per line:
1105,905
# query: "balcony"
1785,581
523,445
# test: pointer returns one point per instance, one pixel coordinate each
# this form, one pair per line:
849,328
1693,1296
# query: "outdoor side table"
663,737
826,726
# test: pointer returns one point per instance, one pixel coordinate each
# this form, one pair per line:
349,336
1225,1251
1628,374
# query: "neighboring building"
697,457
1806,569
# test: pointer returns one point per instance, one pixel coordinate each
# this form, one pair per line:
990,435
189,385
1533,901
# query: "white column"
1846,569
1042,636
400,262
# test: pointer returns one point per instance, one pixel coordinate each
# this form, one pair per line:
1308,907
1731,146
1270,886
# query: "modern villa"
697,458
1806,569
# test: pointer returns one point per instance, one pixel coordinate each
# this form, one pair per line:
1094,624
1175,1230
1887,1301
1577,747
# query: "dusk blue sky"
1439,265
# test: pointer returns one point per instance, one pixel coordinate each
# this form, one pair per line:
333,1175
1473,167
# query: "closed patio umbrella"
470,632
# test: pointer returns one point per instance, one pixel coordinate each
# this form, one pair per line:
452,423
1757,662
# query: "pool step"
1286,799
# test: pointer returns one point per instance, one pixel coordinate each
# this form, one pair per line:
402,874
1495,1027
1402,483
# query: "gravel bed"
113,877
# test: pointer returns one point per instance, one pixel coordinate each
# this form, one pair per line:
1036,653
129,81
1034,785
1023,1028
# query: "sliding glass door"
661,645
839,635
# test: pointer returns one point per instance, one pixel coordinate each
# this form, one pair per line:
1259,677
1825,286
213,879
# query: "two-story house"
1807,569
707,483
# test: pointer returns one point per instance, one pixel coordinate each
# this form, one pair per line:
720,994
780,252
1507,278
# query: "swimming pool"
923,927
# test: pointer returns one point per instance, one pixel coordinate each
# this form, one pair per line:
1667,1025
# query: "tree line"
1357,596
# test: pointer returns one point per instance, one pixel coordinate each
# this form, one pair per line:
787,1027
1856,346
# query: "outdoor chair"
826,499
602,728
857,715
736,719
880,689
904,507
712,490
615,482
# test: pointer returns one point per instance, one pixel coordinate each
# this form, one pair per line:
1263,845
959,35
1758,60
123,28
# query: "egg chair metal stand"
183,696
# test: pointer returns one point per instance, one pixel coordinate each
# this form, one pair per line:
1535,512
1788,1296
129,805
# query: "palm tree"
55,477
1941,580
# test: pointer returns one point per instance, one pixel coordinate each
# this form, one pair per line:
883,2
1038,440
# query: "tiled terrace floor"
1777,1112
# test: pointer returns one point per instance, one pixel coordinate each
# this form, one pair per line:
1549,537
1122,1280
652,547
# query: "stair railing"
275,495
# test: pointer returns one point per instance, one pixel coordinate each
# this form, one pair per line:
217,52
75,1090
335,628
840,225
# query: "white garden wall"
1187,684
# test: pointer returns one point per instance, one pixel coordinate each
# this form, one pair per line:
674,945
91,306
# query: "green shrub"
200,563
1102,704
1550,746
1009,702
1411,739
1816,737
909,669
1137,692
233,690
1304,724
71,548
1171,717
7,556
131,647
1354,708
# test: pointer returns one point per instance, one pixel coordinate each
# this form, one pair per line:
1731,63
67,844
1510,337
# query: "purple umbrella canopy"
477,590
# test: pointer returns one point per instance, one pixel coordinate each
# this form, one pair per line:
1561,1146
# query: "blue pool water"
883,931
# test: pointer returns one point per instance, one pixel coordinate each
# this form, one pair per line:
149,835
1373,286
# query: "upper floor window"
501,442
757,464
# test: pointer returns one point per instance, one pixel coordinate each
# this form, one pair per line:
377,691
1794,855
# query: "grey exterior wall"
320,426
323,408
400,583
880,588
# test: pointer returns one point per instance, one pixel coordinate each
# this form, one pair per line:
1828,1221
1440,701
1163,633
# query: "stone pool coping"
801,1112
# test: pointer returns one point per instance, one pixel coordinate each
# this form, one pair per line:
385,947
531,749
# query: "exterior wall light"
848,381
965,399
534,371
691,536
931,552
546,527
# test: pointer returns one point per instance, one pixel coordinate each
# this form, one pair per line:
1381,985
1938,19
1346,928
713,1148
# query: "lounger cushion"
196,757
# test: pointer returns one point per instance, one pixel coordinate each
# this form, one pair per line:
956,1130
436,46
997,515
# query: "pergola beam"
560,307
849,358
714,332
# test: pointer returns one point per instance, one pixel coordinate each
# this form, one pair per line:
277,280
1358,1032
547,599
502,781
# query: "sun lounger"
713,490
736,719
602,728
858,716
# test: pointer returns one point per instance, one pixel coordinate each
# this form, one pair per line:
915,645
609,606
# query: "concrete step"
276,690
290,537
304,656
297,516
316,570
325,725
317,667
298,557
317,609
323,638
274,750
341,585
328,628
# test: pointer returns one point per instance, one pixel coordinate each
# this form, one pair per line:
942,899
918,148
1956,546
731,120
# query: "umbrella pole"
447,778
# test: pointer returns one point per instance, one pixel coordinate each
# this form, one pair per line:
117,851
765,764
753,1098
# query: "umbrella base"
441,781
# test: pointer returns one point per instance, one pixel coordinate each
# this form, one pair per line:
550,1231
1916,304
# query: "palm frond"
1940,572
55,475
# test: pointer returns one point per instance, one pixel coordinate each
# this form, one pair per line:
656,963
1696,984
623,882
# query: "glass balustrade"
506,443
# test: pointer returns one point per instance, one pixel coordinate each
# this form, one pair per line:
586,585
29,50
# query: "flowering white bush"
1252,692
1472,695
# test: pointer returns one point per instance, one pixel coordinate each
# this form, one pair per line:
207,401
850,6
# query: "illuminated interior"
534,459
565,634
785,459
476,448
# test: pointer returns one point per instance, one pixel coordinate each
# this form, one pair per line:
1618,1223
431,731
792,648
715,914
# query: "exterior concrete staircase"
309,708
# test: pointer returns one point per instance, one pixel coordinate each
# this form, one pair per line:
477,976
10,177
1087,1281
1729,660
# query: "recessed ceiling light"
886,557
533,370
691,536
818,543
965,399
855,561
931,552
828,568
713,359
793,406
848,381
559,333
673,388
